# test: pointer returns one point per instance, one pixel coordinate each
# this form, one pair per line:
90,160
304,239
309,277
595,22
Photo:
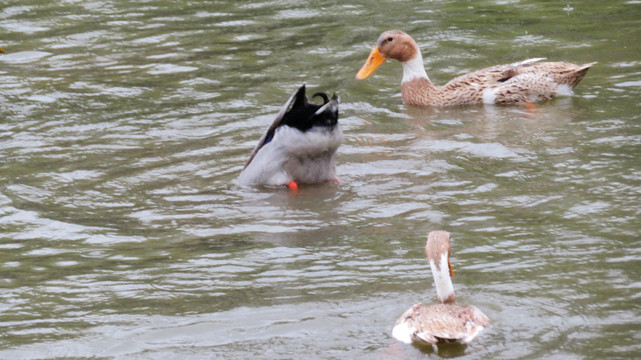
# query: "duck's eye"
390,39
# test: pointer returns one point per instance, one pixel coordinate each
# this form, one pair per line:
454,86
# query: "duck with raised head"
521,82
299,146
447,321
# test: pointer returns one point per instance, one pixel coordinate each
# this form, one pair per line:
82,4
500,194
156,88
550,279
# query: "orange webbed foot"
293,186
531,107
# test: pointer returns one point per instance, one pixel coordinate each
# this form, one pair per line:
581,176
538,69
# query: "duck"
526,81
446,321
299,146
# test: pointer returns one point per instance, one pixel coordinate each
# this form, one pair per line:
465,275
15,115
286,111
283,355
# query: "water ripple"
124,234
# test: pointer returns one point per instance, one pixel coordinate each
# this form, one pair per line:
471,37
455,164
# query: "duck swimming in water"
521,82
299,146
444,322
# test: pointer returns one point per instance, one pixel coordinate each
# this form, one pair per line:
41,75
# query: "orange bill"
450,266
374,60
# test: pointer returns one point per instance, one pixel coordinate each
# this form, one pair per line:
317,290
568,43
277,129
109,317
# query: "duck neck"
442,280
416,87
414,69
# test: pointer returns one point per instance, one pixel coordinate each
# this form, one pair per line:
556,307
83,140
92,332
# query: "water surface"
123,234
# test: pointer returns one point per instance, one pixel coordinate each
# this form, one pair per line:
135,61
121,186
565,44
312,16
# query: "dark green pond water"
123,127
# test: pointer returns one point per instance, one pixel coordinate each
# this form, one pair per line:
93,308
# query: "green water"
123,126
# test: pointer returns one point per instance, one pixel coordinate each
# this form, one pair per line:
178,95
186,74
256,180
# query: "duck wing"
523,81
298,98
492,75
444,323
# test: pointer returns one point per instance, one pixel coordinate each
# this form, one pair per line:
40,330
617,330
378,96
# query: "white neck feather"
414,68
442,280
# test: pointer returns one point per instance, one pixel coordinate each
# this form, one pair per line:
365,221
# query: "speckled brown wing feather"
527,80
492,75
465,89
444,323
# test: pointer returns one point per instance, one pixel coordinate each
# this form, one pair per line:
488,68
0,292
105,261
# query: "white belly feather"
306,157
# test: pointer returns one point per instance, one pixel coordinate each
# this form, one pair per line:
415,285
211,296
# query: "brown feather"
443,323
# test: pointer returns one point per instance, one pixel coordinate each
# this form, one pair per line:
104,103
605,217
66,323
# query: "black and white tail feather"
300,145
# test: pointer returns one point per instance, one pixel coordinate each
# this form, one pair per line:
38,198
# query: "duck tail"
577,74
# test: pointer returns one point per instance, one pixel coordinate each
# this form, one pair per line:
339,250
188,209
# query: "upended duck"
521,82
299,146
444,322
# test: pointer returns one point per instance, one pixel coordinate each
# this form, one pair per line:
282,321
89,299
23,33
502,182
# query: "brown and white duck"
444,322
521,82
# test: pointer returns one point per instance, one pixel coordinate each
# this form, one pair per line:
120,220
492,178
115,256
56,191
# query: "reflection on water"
124,126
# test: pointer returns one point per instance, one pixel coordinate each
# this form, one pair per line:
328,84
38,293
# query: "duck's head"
392,44
438,251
